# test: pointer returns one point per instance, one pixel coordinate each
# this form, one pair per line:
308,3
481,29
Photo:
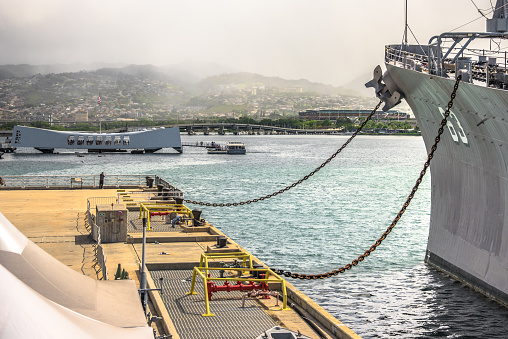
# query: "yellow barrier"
203,273
231,255
146,209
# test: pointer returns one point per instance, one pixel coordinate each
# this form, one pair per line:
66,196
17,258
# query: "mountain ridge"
184,76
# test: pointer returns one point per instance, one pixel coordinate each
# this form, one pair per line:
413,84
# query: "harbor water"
318,226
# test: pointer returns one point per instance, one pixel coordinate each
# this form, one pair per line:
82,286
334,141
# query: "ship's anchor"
385,88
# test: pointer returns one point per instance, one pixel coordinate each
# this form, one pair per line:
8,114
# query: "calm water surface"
320,225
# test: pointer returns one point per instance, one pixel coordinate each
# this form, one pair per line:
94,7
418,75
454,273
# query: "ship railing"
413,57
445,57
74,181
160,182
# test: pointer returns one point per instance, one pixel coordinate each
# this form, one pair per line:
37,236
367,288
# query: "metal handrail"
96,231
443,54
165,184
149,209
92,202
68,181
100,255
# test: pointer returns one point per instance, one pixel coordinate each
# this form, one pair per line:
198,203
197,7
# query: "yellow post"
205,262
145,210
193,282
284,297
149,227
207,314
197,270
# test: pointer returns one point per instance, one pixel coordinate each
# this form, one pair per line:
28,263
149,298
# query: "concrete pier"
55,221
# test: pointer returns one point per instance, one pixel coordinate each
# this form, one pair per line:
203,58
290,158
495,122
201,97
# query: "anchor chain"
287,188
399,215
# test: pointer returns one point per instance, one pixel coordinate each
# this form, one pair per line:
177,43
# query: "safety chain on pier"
287,188
399,215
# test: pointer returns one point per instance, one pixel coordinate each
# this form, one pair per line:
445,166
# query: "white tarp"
26,314
11,240
37,292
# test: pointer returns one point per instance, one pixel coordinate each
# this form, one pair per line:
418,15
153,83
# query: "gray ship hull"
468,236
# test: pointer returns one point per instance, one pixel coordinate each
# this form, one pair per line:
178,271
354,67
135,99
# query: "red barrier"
163,213
212,287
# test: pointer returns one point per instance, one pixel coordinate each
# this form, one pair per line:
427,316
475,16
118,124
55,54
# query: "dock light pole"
142,279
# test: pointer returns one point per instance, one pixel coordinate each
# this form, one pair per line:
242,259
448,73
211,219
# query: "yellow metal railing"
203,272
146,210
203,262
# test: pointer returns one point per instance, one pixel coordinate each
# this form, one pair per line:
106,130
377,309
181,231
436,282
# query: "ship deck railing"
74,181
161,182
485,66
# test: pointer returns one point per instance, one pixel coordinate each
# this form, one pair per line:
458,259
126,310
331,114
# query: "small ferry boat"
217,150
146,140
5,145
234,147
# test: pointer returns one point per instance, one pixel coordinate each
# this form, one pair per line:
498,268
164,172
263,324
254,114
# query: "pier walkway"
55,221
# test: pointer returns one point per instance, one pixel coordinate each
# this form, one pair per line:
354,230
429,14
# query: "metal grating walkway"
230,321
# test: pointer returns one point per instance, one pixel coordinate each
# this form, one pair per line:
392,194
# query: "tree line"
341,124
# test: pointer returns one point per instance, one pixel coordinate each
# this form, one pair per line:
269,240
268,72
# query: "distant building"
334,114
81,116
294,89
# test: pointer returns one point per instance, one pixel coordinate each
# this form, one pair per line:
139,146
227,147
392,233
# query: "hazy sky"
329,41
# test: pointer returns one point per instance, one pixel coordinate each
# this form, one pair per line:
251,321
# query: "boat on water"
217,150
469,200
5,146
234,147
143,141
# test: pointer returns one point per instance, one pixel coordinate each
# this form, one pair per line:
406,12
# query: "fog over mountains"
188,75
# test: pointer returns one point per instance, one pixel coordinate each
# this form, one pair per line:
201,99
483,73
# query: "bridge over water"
221,128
